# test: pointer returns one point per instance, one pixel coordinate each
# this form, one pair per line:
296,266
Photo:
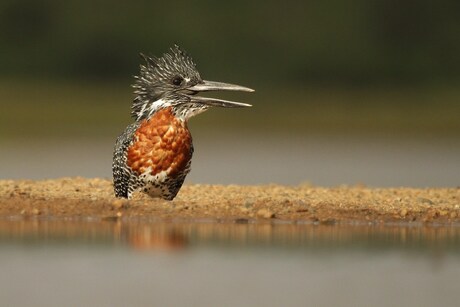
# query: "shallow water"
207,263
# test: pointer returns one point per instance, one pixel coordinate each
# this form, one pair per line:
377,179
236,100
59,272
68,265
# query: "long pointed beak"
214,102
218,86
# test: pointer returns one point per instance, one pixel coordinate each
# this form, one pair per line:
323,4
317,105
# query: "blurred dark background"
357,42
370,70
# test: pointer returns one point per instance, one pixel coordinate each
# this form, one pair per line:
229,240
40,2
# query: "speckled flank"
122,174
162,143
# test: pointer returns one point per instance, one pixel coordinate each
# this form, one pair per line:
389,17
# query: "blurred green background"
388,66
365,68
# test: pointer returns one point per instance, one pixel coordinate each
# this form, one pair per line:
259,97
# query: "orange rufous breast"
162,142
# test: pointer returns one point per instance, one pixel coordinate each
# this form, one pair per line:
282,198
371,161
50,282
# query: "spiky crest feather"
155,78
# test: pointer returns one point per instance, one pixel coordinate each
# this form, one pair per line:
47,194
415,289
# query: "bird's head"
173,81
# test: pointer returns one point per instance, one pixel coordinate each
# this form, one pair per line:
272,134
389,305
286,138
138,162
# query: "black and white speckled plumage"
124,180
154,80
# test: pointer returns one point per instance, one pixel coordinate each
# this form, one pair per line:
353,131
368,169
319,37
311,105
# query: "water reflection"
176,236
206,263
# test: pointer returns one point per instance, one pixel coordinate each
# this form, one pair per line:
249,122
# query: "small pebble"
403,212
425,201
266,214
118,203
244,209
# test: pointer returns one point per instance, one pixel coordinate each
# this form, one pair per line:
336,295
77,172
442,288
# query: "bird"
154,153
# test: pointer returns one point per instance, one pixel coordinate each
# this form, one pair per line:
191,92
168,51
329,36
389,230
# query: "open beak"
218,86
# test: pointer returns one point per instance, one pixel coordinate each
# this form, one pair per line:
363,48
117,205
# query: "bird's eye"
177,80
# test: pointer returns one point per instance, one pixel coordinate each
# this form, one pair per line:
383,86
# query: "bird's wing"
120,169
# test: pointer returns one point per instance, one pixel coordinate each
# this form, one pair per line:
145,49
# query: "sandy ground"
81,197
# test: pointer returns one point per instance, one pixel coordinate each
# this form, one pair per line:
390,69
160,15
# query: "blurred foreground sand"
80,197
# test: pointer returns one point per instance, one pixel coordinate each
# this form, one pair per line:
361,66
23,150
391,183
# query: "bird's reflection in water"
147,237
178,236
